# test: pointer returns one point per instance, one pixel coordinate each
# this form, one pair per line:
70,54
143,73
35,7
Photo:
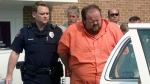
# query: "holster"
26,69
19,65
57,70
30,69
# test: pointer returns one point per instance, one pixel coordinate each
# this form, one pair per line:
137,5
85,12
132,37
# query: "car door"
118,69
127,61
140,35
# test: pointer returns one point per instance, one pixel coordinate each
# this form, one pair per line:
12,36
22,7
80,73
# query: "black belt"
43,71
35,70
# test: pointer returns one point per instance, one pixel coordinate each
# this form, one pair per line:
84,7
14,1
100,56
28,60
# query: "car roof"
139,25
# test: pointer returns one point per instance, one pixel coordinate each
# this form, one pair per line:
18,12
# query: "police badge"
51,34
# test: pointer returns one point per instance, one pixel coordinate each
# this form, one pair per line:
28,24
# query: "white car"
4,57
130,57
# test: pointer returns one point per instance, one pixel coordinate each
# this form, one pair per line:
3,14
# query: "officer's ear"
33,14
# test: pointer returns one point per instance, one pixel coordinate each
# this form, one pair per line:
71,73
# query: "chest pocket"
51,44
32,45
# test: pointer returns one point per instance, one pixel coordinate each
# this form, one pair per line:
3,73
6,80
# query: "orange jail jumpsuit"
88,54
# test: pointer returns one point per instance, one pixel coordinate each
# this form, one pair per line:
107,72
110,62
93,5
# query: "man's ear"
33,14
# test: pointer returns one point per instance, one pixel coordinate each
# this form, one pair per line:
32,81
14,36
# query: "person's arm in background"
11,65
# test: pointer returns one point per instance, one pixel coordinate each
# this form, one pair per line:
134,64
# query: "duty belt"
34,70
44,71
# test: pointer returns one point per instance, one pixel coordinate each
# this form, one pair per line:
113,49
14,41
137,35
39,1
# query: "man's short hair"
39,3
110,9
124,27
73,8
134,18
86,8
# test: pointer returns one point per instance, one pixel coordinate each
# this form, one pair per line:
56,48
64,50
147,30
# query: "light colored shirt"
88,54
64,26
118,25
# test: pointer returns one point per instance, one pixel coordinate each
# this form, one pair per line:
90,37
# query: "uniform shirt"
88,54
40,48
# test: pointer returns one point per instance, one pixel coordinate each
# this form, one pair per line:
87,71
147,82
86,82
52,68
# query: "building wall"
15,17
127,9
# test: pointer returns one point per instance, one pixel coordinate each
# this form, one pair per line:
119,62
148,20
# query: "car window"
144,36
125,66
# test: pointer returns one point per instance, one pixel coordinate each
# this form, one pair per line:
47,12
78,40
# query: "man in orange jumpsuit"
85,46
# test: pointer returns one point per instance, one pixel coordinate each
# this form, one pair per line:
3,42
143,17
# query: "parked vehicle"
130,58
4,57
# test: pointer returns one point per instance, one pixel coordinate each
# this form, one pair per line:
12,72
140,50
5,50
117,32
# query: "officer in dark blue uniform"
40,41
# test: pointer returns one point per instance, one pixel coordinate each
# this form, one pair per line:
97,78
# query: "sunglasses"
114,14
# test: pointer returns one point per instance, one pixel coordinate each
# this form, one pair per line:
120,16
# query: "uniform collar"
34,27
43,32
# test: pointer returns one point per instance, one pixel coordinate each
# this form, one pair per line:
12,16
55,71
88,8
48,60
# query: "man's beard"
94,31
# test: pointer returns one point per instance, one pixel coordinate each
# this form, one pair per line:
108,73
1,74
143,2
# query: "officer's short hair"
39,3
134,18
74,8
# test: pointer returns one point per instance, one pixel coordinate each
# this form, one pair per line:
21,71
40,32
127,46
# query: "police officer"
40,41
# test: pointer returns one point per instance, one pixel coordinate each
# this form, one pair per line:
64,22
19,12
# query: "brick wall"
127,9
27,15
